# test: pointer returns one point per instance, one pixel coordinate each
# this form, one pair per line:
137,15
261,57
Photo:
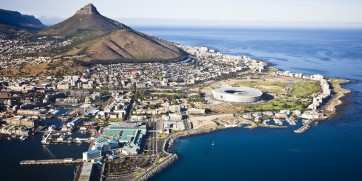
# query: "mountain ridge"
17,20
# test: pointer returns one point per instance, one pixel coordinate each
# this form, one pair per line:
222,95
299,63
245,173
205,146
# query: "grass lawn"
115,119
272,69
160,159
336,84
276,87
161,135
302,89
259,82
277,105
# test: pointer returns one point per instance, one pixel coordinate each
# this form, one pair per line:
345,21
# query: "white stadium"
237,94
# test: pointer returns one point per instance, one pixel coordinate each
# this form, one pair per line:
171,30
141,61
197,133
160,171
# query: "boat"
23,138
64,128
77,140
69,140
51,128
213,143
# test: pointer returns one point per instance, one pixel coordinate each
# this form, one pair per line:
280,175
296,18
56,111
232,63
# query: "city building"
91,154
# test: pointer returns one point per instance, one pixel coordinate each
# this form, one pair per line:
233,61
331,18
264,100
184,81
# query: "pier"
52,161
304,128
291,121
47,139
77,140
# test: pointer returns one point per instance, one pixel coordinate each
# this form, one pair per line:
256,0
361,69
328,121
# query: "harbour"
41,158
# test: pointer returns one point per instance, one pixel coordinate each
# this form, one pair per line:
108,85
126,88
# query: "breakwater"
154,170
304,128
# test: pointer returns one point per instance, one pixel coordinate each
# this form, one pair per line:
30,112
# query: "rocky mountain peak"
88,10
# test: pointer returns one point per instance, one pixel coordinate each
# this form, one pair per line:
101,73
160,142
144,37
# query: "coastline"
339,101
342,105
169,144
172,139
331,109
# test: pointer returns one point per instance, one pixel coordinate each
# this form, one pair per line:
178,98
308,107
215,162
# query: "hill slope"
127,46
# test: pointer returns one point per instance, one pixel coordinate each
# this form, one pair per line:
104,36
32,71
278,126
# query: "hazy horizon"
183,23
228,13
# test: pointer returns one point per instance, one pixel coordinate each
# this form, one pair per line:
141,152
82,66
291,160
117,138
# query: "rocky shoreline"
342,105
338,102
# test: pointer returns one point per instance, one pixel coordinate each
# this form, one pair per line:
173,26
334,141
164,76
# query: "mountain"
13,19
98,40
85,23
108,41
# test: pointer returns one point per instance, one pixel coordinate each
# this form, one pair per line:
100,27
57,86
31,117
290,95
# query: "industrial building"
34,112
91,154
237,94
28,122
195,111
123,137
169,126
15,130
129,136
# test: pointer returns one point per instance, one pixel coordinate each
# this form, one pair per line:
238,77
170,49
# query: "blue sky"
203,12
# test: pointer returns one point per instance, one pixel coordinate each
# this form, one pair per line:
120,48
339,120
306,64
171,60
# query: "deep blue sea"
330,151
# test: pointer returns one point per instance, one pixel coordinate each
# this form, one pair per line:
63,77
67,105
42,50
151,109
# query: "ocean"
332,150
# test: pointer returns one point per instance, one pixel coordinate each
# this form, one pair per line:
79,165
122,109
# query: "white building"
91,154
195,111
